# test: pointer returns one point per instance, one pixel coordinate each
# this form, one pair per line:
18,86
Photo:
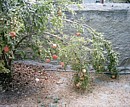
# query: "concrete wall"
107,1
90,1
113,20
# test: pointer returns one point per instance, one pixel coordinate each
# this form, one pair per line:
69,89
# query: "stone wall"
113,20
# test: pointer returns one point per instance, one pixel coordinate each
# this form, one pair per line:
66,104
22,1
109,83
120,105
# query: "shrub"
37,26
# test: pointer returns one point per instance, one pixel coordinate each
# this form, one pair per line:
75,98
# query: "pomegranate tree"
38,27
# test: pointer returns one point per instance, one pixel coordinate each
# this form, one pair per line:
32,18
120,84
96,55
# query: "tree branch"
53,35
84,25
17,45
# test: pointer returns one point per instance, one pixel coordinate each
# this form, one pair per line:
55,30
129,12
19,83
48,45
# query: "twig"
86,26
53,35
17,45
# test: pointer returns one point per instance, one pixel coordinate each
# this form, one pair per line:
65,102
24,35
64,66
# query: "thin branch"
53,35
17,45
84,25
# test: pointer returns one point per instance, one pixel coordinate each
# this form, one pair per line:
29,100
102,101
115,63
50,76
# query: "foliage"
23,25
81,79
2,68
103,54
29,21
37,26
82,53
112,58
75,52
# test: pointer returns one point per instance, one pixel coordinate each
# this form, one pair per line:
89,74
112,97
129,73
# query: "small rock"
37,80
60,82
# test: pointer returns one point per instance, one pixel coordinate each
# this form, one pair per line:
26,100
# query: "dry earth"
55,89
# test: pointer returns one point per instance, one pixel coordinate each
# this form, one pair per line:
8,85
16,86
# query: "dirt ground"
55,89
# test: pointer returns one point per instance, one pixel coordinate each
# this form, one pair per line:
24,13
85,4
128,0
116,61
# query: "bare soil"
55,89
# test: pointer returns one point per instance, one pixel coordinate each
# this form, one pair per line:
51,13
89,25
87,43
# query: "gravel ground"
104,92
58,91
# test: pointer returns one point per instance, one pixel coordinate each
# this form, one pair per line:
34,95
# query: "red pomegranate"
55,57
62,64
12,34
6,49
48,60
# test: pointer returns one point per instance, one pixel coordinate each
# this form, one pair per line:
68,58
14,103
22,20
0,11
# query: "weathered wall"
113,20
106,1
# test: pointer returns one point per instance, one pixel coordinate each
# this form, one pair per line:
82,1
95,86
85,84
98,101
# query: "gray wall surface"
106,1
113,20
90,1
